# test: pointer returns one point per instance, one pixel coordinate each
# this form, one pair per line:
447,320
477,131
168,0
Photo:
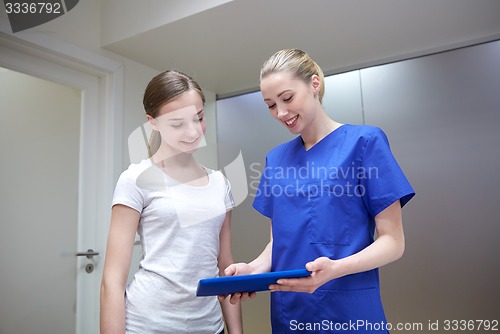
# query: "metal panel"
442,116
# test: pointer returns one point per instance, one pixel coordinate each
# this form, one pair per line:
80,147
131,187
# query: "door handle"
89,253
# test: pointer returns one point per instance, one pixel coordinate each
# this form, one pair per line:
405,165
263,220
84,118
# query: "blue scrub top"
322,202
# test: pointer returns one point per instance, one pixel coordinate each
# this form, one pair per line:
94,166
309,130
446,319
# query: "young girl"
181,211
325,218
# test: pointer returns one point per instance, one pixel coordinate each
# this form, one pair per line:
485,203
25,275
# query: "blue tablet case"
220,286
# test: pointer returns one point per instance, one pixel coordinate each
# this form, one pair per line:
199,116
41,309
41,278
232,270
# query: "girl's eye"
176,126
272,106
200,116
288,99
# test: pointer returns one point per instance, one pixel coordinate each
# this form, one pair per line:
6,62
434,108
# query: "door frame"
100,80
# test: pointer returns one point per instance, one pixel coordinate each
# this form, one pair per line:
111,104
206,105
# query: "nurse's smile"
292,121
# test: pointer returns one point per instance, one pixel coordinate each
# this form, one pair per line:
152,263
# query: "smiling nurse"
353,188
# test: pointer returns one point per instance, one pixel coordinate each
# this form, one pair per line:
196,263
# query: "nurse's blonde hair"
296,62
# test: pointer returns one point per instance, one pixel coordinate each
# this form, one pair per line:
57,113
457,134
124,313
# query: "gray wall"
442,116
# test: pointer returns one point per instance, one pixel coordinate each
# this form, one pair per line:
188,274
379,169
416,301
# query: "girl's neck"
182,167
165,156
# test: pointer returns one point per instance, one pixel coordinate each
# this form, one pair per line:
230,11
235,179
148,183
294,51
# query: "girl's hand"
234,270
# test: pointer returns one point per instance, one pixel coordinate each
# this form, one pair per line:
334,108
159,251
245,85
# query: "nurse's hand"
234,270
323,270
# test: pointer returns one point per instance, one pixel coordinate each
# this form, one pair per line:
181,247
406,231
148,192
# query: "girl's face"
291,101
181,123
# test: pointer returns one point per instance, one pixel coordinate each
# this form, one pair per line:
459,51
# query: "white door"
39,147
57,161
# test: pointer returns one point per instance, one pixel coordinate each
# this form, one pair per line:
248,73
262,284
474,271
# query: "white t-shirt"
179,232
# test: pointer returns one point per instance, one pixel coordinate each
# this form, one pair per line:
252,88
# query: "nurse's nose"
281,112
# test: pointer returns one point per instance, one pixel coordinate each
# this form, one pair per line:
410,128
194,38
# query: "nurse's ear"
315,84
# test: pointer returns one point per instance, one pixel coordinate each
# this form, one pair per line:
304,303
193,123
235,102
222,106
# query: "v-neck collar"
324,139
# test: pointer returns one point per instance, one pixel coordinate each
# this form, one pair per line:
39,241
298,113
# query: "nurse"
326,193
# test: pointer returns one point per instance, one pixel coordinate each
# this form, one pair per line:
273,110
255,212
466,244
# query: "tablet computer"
227,285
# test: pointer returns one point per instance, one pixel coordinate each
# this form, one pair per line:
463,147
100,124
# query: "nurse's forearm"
388,247
262,263
383,251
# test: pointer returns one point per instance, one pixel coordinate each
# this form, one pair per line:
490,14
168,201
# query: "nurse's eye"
176,125
288,99
272,106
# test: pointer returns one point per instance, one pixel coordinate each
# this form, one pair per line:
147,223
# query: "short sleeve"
383,181
262,200
128,193
228,197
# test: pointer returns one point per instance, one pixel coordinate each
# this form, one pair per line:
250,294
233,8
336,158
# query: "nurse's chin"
294,129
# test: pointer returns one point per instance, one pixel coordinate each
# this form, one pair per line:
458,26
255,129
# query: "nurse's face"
181,123
291,101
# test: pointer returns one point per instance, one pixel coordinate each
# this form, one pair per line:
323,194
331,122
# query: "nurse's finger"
320,263
294,284
284,284
297,282
279,287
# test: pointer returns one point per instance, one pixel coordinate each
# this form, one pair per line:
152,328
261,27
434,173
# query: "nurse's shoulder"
364,133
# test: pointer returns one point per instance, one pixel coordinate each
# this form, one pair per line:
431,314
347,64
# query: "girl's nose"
193,129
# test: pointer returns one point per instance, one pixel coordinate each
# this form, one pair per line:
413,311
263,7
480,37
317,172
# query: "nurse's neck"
321,127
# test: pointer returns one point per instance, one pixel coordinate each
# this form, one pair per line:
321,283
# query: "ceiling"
224,46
